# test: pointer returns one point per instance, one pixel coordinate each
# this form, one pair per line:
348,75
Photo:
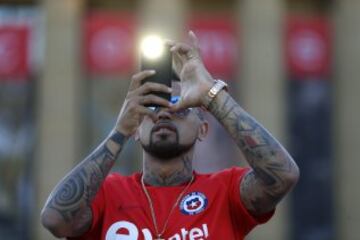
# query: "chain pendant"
153,211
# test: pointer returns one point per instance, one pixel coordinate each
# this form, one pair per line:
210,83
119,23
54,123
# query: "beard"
164,150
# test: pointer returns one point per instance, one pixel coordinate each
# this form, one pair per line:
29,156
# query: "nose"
164,114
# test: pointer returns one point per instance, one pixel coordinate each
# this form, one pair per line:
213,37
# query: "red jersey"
211,208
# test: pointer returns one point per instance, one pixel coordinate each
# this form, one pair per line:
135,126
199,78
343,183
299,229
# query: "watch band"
214,90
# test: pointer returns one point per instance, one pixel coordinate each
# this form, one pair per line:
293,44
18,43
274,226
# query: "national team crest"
193,203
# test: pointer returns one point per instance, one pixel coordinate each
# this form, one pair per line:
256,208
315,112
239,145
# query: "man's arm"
67,211
273,172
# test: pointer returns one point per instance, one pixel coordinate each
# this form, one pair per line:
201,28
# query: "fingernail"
152,71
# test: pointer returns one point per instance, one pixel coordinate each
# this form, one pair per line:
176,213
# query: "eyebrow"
199,113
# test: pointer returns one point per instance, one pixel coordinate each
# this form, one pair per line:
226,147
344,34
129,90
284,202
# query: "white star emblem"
193,204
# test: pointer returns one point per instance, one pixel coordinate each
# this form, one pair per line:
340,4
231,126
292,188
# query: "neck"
171,173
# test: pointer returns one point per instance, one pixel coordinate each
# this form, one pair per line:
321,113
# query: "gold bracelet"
214,90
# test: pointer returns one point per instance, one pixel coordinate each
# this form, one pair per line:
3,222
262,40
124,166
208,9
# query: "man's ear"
203,130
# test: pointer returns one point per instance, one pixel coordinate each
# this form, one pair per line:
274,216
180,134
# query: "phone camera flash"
152,47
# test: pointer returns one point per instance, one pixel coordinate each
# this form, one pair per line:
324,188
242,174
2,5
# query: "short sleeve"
97,209
240,215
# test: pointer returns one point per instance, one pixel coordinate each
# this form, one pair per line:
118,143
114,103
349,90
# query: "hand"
195,79
133,109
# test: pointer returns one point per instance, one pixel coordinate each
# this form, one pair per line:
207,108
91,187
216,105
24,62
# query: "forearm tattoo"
73,195
118,138
273,170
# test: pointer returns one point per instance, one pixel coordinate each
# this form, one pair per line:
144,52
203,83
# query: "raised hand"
195,79
133,109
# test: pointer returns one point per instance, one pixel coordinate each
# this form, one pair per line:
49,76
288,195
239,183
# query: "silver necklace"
151,206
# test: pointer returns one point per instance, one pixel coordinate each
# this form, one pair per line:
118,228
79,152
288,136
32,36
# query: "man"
168,200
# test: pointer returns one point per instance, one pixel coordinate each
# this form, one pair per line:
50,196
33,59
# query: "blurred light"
152,47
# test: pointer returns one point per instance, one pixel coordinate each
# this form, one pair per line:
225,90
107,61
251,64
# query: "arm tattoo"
73,195
273,171
118,138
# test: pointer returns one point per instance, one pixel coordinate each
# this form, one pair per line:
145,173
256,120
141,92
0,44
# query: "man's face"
172,134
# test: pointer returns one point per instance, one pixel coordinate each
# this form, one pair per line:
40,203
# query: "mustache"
164,124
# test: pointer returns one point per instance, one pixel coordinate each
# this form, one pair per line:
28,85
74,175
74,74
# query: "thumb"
195,42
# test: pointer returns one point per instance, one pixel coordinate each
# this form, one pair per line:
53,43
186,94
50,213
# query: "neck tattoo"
179,174
152,210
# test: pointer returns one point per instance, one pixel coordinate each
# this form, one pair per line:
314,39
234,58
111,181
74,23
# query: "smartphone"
163,68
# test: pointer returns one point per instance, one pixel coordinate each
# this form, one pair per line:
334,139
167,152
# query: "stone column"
261,84
347,118
166,18
59,94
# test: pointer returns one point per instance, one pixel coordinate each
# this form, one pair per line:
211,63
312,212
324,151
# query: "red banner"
308,46
14,42
218,42
109,43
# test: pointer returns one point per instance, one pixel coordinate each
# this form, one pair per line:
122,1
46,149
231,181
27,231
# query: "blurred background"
293,64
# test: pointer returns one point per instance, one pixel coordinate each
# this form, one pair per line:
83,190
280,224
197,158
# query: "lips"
164,124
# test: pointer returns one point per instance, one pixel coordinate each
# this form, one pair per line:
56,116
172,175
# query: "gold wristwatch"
214,90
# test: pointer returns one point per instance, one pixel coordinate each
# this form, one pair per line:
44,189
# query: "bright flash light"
152,47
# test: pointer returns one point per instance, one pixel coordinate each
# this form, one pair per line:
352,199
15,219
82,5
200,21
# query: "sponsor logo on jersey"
193,203
125,230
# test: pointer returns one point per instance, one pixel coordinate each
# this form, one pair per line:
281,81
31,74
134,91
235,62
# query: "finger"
184,56
181,48
152,87
178,62
136,79
146,111
170,43
178,106
152,99
194,40
185,51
